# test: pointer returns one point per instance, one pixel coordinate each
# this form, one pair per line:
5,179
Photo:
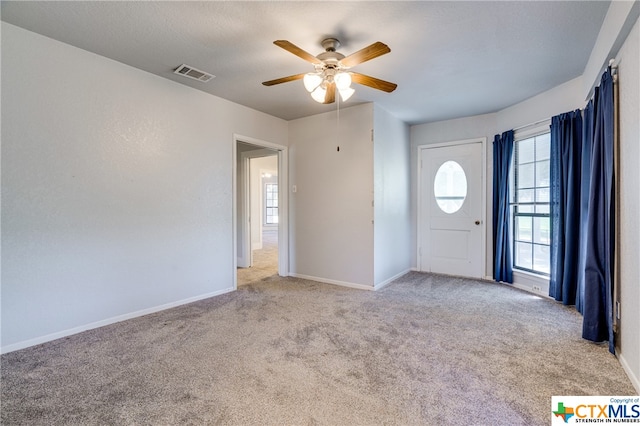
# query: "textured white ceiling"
449,59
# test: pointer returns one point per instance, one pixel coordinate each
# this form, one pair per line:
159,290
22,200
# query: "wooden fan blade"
290,47
373,82
330,96
366,54
283,79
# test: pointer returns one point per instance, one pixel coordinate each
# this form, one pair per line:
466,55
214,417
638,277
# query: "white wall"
629,100
621,17
331,212
563,98
392,197
116,189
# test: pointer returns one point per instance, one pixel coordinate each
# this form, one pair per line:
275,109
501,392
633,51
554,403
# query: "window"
450,187
271,204
530,208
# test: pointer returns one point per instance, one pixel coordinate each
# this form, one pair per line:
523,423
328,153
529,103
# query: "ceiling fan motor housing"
330,44
330,58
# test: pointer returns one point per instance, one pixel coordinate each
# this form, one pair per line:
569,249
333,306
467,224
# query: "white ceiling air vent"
193,73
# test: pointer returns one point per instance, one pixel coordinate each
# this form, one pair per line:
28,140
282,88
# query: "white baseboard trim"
635,381
527,288
392,279
75,330
256,246
333,282
414,269
530,290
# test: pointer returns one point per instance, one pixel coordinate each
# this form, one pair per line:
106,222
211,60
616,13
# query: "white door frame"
243,206
483,196
283,202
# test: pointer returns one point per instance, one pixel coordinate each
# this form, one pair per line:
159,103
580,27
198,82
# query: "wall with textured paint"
628,60
116,189
331,210
392,197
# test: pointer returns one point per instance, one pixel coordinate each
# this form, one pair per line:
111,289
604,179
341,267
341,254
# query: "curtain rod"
614,70
531,124
614,74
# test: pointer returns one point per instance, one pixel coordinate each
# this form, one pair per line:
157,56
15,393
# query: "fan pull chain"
338,122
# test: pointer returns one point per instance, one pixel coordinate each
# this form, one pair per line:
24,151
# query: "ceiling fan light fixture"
312,81
332,70
343,80
319,94
345,94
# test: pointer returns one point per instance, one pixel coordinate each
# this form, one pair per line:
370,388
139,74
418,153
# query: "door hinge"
371,135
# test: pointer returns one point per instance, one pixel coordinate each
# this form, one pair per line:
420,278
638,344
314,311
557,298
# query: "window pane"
523,228
523,255
525,196
530,191
542,208
450,187
541,259
525,176
526,209
542,195
542,147
526,151
271,203
542,173
541,231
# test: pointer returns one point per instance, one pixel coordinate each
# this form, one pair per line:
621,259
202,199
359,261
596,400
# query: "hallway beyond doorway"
265,260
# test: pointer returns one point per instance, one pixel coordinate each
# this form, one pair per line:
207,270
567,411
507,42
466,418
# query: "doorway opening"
260,211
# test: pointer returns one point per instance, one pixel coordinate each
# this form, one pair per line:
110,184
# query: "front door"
451,236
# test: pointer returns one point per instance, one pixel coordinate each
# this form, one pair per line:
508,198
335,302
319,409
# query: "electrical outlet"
536,288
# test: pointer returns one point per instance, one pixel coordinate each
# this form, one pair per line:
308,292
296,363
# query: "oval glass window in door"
450,187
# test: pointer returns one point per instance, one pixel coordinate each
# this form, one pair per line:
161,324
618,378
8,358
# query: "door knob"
477,222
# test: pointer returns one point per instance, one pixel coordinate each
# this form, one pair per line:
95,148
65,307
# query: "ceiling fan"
332,70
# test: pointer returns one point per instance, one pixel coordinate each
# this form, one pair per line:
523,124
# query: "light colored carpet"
265,260
425,350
